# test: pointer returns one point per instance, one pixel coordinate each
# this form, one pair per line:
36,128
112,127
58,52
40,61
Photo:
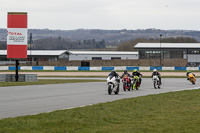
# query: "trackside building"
165,54
98,55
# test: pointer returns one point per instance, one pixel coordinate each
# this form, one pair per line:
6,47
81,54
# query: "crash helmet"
125,71
113,72
135,70
154,70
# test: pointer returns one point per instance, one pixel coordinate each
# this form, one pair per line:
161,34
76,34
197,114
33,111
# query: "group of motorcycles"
128,83
133,83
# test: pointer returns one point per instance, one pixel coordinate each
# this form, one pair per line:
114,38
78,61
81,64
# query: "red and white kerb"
17,35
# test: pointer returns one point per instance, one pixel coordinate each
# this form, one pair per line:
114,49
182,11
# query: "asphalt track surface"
29,100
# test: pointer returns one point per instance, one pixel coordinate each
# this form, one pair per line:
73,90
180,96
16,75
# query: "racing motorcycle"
156,82
126,83
136,82
192,78
113,84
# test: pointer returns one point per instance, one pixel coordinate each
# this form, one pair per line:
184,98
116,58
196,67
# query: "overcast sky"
105,14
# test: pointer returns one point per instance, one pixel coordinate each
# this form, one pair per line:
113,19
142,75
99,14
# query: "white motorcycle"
113,84
156,82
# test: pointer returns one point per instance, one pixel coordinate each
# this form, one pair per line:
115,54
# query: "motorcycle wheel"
154,84
117,90
109,90
124,86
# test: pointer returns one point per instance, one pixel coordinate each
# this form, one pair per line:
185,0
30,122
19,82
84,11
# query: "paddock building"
189,52
65,55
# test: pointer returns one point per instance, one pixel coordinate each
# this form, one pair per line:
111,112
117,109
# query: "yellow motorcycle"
192,78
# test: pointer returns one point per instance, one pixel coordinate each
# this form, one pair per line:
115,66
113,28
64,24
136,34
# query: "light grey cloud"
106,14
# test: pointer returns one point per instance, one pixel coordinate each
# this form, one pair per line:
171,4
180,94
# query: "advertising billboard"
17,35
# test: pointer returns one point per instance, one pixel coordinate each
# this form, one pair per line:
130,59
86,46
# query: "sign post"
17,37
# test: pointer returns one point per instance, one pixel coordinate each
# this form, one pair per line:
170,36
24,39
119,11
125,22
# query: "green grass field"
174,112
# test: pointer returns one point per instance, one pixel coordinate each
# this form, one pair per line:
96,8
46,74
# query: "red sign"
17,35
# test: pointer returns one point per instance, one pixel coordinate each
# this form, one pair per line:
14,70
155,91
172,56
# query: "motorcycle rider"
136,73
155,72
113,73
127,74
188,74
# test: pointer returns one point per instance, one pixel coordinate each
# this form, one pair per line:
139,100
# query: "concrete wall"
140,62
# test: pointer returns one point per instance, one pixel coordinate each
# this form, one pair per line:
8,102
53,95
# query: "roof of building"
167,45
103,52
59,52
39,52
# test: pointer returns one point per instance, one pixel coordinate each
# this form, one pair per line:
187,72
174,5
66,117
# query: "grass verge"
48,81
174,112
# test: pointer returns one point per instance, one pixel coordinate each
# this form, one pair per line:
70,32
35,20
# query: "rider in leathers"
155,72
188,74
136,73
113,73
127,74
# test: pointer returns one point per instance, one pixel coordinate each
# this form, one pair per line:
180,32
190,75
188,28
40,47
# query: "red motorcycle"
126,83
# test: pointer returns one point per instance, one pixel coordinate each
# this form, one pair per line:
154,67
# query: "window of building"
96,58
114,58
176,54
192,51
166,54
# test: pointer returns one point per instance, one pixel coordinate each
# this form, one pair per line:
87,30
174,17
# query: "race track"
29,100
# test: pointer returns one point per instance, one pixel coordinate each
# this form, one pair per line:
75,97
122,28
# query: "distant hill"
108,37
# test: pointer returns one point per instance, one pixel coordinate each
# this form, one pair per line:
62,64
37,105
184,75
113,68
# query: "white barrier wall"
48,67
72,68
26,68
144,68
192,68
95,68
167,68
4,68
120,68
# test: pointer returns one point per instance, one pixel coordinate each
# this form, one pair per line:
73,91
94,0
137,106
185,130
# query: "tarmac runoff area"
97,73
30,100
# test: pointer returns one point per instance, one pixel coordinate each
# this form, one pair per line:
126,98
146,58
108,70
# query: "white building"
189,51
98,55
54,55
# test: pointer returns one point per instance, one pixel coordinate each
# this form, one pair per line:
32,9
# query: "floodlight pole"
160,51
30,47
16,68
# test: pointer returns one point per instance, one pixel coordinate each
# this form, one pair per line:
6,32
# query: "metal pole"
30,47
16,74
160,51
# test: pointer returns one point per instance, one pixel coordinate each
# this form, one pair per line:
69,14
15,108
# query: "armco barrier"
180,68
13,68
107,68
37,68
132,68
158,68
84,68
60,68
70,68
